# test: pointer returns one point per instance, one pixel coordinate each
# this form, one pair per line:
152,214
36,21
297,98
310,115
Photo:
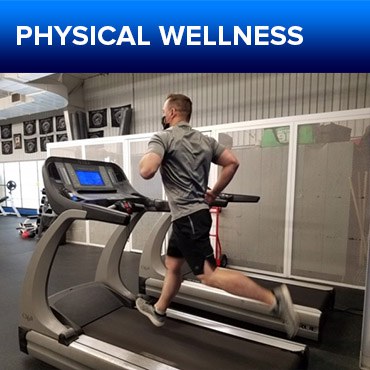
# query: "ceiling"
27,94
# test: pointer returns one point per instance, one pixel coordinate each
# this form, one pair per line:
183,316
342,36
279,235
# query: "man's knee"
174,264
208,276
207,279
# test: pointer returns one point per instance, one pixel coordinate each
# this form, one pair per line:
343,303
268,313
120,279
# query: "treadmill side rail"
248,310
88,353
269,340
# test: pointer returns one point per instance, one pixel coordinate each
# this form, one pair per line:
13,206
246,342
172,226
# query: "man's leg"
171,286
235,282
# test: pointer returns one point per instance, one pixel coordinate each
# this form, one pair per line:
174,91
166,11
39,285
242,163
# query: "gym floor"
338,350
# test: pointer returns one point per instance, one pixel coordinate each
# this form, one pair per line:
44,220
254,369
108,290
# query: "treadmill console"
97,186
87,177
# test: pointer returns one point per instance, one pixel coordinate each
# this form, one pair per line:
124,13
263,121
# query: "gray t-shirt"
186,159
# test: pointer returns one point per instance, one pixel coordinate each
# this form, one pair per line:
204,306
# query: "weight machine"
10,185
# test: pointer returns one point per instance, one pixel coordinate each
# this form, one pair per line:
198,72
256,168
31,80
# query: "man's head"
176,108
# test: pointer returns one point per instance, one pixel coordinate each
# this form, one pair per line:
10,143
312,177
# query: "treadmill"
95,325
312,301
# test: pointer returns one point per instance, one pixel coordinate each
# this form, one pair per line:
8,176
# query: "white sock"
159,312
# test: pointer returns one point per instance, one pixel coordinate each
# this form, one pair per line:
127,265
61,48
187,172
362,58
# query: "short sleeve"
157,145
217,149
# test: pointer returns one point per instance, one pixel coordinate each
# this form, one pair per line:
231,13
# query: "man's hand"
210,196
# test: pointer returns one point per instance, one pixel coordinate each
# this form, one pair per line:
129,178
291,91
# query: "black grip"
224,199
161,205
219,202
239,198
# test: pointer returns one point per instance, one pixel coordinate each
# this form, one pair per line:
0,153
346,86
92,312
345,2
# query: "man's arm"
149,165
229,164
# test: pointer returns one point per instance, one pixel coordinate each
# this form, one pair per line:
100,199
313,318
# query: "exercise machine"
95,325
28,228
2,211
10,185
46,215
312,301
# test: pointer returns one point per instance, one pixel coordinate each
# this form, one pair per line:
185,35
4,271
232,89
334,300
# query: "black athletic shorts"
190,239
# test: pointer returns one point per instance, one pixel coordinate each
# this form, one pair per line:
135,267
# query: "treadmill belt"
187,346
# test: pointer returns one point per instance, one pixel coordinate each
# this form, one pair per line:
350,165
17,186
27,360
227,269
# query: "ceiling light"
27,95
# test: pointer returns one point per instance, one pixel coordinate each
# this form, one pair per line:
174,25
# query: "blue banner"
185,36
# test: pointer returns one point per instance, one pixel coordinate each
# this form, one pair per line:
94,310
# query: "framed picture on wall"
98,118
60,123
6,131
7,147
46,125
95,134
30,145
29,128
118,113
17,138
44,140
62,137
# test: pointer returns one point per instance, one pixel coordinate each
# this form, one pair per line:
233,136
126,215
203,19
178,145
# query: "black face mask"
165,125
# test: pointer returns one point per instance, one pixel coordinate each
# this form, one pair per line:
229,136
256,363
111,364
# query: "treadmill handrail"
223,199
104,214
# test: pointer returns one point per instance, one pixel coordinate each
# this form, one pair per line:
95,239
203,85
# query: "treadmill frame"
44,336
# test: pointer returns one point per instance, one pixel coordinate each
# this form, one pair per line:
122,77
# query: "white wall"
223,98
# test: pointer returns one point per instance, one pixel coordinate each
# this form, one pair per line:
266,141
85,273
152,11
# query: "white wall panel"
321,83
337,92
29,184
227,97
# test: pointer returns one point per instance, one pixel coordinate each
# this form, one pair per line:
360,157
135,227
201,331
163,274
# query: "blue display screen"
89,178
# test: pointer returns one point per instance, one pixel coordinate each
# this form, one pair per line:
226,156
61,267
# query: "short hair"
182,103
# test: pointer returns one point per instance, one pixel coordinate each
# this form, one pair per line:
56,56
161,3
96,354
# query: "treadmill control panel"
81,184
87,178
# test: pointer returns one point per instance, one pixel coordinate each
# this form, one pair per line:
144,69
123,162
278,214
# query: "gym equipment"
95,325
46,215
28,228
312,301
10,185
2,211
